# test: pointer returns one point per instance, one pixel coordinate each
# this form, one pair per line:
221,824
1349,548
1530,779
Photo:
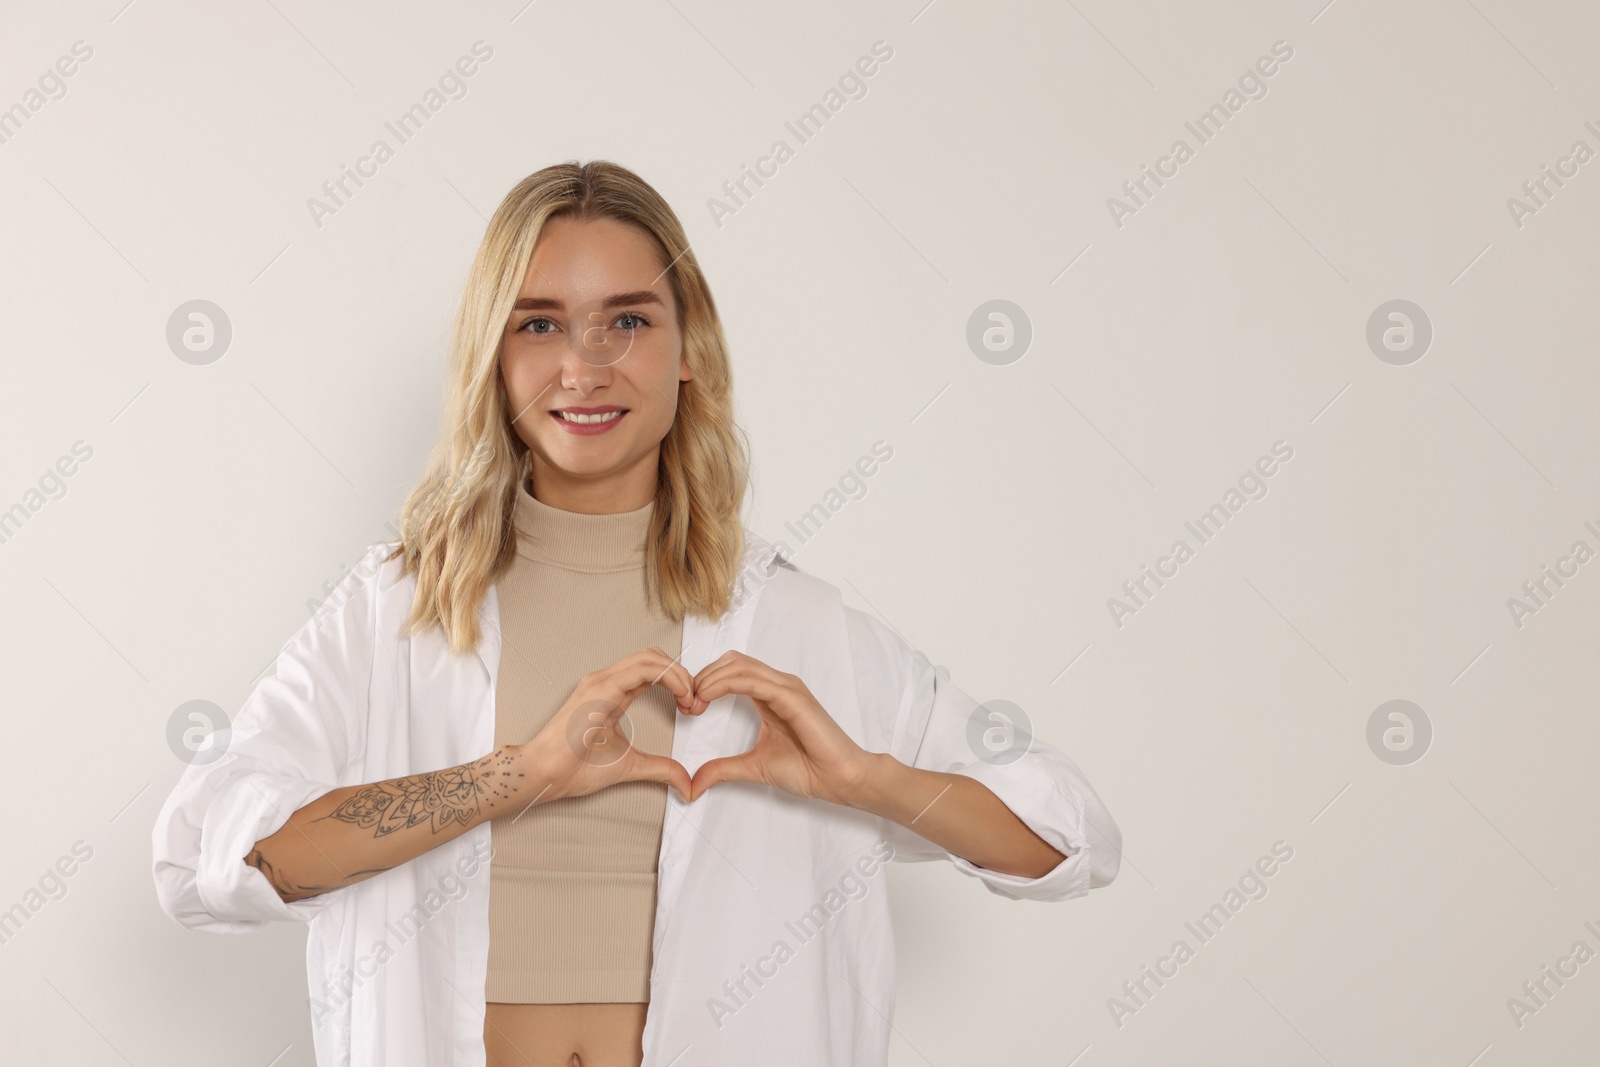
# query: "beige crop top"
572,882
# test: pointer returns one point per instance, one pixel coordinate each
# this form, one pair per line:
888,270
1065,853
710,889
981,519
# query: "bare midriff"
564,1035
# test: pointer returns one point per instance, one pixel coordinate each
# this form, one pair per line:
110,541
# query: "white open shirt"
772,942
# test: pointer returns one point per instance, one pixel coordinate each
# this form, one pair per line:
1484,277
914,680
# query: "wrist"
528,779
875,785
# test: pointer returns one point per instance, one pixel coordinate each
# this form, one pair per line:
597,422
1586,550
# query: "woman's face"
594,332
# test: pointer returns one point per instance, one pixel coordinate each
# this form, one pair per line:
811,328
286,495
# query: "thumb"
648,767
740,768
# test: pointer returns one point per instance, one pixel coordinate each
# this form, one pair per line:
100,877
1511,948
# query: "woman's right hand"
582,749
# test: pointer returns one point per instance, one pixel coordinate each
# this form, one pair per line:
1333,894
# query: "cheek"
653,375
518,368
658,355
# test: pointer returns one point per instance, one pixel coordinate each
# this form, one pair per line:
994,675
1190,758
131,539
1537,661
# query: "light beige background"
1169,353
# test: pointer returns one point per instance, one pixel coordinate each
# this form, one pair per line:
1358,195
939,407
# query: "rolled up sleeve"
289,744
933,730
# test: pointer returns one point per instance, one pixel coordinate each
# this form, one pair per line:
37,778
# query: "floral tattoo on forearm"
438,798
441,799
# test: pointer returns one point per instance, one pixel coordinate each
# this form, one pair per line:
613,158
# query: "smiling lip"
589,429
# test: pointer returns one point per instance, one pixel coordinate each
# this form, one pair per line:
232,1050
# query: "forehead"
592,257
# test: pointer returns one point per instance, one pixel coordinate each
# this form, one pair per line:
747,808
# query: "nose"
584,369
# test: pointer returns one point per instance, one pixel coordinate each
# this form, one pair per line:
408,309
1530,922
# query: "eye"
632,320
531,326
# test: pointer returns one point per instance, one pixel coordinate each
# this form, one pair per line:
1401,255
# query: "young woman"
581,771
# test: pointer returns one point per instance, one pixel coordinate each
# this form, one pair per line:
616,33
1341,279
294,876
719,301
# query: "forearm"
956,813
355,832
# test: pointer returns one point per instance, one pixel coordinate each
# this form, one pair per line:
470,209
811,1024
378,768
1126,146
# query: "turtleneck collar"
579,542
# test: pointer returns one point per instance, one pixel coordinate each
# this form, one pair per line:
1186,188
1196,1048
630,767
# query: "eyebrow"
546,303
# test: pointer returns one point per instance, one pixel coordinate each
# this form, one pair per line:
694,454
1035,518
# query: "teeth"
605,417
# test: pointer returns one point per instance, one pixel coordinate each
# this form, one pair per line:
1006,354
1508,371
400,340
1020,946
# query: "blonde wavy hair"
456,532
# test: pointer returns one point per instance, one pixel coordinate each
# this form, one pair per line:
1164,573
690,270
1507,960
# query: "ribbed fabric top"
573,881
577,542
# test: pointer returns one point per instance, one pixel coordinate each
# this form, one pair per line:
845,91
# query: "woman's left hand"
800,749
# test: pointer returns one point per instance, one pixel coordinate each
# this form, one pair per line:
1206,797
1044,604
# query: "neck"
626,490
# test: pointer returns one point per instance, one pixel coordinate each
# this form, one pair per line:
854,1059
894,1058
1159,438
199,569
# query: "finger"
673,676
651,666
733,655
731,661
604,698
759,682
745,767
